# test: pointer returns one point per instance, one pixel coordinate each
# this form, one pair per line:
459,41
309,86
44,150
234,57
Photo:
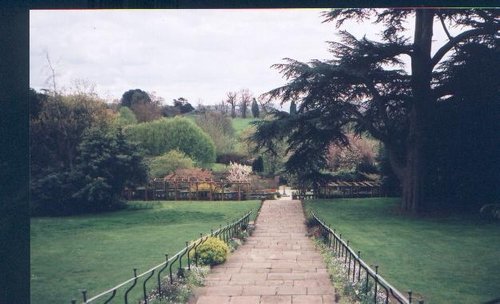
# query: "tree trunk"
413,173
233,110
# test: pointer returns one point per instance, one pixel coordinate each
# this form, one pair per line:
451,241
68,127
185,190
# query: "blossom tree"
239,174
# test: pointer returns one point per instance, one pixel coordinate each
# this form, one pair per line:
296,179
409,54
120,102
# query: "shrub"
311,222
106,163
163,135
169,162
125,117
212,252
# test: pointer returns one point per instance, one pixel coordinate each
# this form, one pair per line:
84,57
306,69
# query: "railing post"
334,241
73,301
376,284
130,288
84,294
196,250
346,249
340,243
359,264
159,274
409,296
329,237
354,269
189,260
144,286
366,283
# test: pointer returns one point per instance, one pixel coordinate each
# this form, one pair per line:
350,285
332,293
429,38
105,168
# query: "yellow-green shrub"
212,252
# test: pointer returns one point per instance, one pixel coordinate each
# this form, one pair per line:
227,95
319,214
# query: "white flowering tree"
239,174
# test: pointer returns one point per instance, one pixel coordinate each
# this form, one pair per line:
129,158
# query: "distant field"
96,252
240,124
447,260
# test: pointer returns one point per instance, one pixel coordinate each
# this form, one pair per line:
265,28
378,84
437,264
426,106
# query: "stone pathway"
277,264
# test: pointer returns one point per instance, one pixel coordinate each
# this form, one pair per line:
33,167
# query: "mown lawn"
96,252
240,124
447,260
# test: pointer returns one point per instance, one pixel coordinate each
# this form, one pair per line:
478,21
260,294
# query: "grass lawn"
96,252
240,124
447,260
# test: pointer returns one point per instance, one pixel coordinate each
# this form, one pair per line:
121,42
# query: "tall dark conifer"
366,88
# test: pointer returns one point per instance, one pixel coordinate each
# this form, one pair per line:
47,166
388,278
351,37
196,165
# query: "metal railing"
224,233
358,271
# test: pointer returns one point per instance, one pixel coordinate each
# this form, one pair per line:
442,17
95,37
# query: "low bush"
181,289
311,222
212,252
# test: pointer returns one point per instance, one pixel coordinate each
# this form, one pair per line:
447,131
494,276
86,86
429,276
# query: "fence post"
189,260
409,296
376,284
84,294
144,286
159,274
354,268
359,264
340,243
346,249
334,242
130,288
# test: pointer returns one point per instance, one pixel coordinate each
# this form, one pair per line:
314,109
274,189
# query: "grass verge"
96,252
240,124
445,260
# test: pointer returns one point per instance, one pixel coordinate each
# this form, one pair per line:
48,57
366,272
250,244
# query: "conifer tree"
365,87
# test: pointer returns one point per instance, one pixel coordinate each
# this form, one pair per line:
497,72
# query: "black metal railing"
358,271
173,263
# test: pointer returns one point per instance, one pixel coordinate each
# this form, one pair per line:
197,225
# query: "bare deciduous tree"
231,99
245,100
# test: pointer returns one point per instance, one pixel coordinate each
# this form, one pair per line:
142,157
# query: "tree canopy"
163,135
365,87
79,159
167,163
220,129
144,107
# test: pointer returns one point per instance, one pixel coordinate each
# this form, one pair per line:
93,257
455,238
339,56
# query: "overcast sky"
196,54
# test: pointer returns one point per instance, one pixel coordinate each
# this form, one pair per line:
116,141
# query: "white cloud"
197,54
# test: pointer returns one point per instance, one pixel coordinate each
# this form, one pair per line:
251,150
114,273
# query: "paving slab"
277,264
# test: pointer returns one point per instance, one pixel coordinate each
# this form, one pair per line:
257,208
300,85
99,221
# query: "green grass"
240,124
447,260
96,252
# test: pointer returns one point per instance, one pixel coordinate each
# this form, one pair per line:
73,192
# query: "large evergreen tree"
255,108
107,162
366,87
